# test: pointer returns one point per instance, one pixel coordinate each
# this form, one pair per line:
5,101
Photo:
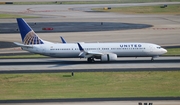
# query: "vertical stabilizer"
29,37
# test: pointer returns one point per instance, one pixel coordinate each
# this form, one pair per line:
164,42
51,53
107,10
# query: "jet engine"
108,57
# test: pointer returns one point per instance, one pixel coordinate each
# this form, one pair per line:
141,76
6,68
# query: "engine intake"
108,57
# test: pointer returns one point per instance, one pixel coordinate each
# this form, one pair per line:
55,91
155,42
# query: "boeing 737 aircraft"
103,51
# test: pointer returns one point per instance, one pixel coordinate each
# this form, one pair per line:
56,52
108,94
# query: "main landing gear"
152,59
90,60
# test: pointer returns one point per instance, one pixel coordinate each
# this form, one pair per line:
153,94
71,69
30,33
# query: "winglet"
63,40
80,47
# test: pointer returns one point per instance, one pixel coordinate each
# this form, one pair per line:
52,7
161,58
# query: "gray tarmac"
161,37
48,65
73,27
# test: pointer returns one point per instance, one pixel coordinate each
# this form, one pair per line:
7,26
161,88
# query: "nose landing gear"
152,59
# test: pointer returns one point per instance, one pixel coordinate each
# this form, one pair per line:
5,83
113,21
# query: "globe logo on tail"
32,39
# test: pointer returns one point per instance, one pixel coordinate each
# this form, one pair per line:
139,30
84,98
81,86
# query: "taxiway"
52,65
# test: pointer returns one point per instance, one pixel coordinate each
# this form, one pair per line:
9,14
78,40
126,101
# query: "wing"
87,54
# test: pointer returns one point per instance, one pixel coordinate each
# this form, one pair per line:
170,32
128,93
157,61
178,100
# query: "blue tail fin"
29,37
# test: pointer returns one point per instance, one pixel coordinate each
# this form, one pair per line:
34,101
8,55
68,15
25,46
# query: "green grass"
89,85
10,16
34,3
171,9
173,51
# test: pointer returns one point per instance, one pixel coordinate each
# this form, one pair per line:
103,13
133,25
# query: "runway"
53,65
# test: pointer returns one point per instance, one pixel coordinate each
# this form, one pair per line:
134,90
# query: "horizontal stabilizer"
22,45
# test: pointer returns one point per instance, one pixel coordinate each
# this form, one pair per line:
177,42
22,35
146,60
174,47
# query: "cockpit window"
158,47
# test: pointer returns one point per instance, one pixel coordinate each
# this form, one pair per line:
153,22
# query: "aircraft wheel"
90,60
152,59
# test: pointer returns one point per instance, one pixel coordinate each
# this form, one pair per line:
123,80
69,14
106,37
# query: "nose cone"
164,51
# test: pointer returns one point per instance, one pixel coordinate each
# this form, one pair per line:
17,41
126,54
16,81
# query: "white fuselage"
71,50
91,51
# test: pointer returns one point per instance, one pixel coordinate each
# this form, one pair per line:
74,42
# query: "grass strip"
170,9
89,85
173,51
13,16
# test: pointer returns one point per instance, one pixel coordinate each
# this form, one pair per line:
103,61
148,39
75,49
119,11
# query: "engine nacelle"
108,57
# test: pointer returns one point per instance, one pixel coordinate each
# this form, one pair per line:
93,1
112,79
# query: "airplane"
104,51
